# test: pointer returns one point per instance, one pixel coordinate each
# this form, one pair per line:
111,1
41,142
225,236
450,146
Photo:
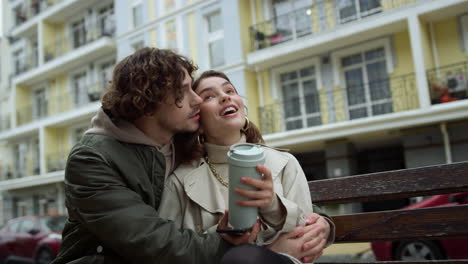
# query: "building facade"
349,86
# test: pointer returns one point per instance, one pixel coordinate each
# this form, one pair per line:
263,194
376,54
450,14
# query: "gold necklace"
215,172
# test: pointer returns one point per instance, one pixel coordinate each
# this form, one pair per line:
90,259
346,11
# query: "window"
20,159
78,30
106,20
464,31
349,10
291,19
169,5
39,103
80,91
77,134
215,39
19,13
18,62
301,103
171,34
105,75
367,84
137,13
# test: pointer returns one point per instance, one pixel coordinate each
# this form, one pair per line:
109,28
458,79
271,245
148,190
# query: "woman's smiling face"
222,109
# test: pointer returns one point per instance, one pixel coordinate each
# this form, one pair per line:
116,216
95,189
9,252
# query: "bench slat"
424,223
449,178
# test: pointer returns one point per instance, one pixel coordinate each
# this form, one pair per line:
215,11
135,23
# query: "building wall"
448,41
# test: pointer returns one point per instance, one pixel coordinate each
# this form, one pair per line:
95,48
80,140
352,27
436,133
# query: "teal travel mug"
242,160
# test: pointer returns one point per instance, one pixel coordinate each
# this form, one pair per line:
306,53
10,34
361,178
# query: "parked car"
412,250
31,239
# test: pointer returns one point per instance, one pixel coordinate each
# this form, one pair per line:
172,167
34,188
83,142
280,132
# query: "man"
115,175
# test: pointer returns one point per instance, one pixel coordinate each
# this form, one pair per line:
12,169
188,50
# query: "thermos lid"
245,155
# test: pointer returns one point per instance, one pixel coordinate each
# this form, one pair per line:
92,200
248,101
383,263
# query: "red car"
454,248
31,239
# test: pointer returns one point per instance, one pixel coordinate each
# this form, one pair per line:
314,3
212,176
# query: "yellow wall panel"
447,38
251,89
23,105
323,104
153,38
151,10
192,37
246,22
340,103
426,45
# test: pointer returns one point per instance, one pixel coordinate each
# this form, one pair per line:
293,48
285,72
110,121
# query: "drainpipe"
434,50
445,135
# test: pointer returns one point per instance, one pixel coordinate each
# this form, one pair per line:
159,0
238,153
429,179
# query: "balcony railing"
61,103
28,166
80,36
320,17
26,62
316,108
56,161
448,83
24,13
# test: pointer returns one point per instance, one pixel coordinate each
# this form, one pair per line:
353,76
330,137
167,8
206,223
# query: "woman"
196,194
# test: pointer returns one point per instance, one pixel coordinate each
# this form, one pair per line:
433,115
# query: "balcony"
27,166
323,16
448,83
371,99
80,36
54,105
24,13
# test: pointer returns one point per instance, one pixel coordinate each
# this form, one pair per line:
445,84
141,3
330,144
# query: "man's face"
183,116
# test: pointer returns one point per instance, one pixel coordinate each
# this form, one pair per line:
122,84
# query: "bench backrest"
423,223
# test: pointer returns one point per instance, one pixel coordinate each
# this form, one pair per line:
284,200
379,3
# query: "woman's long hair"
187,146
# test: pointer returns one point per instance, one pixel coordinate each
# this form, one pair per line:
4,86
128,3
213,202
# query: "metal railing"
60,103
14,170
379,97
320,17
448,83
24,13
56,161
80,36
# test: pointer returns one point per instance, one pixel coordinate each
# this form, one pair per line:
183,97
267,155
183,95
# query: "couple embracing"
147,183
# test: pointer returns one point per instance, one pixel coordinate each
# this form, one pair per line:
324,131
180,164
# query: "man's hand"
246,238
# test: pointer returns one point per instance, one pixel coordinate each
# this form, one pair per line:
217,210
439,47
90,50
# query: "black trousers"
253,254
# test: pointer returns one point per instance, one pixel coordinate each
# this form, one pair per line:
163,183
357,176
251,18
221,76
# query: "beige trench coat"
192,197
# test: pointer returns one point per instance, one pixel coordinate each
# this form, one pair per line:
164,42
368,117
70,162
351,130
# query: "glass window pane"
306,72
350,60
216,53
215,22
378,81
291,101
288,76
296,124
358,113
375,54
347,9
366,5
311,96
314,121
355,86
380,109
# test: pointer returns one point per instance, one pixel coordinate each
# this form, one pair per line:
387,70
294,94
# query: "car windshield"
53,223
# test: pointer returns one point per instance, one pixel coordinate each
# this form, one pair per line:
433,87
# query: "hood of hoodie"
121,130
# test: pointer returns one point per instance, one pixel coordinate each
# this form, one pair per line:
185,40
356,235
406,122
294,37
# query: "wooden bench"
396,225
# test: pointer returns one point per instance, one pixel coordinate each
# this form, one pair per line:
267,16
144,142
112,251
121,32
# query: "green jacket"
113,190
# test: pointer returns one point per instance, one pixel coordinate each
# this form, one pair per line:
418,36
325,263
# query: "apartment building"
349,86
361,86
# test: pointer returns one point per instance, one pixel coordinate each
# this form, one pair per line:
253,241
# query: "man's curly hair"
144,80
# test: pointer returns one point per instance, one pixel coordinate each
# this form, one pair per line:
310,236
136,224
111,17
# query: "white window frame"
464,32
71,31
213,37
338,70
276,81
134,5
